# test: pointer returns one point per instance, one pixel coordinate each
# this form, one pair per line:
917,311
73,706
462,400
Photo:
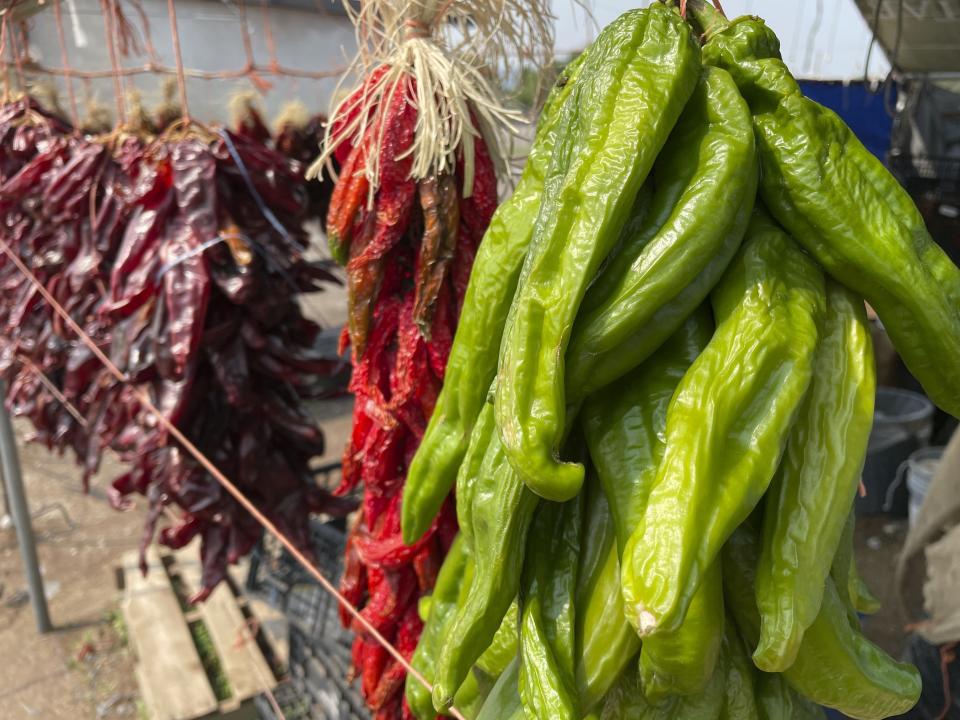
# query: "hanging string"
261,84
67,70
144,399
52,388
108,18
6,66
178,57
268,35
17,60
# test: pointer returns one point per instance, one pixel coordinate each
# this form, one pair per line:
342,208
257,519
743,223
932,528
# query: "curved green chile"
484,429
809,500
740,701
633,85
727,423
547,614
625,426
851,587
847,210
443,605
472,363
503,648
836,665
503,702
605,643
776,700
502,508
671,268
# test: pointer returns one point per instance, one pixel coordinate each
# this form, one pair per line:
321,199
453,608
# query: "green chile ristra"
631,89
727,424
808,502
706,180
472,363
624,425
845,207
547,613
836,666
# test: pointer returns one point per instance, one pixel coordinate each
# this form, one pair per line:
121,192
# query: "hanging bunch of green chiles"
659,396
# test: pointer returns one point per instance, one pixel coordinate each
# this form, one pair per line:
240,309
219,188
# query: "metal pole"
17,497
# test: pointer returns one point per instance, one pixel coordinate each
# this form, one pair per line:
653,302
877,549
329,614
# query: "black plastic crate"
319,664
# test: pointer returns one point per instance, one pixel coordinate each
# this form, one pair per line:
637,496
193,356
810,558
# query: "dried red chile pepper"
408,257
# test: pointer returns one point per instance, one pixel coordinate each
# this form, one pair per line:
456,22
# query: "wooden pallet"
173,682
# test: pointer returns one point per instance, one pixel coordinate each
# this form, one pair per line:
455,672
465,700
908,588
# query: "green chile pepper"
727,423
740,702
502,508
503,648
605,643
627,702
809,500
443,604
776,700
836,666
625,426
547,617
670,268
472,363
845,207
852,589
503,702
638,76
469,472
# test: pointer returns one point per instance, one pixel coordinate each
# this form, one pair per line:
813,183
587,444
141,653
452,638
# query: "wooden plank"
243,663
170,670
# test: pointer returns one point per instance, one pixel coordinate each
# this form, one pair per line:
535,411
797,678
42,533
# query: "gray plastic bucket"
919,470
902,424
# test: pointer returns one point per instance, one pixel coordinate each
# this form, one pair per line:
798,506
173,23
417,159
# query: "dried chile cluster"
182,257
408,256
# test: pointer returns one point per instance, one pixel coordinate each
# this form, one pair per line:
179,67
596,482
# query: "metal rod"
17,497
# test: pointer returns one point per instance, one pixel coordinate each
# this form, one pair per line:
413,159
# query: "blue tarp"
861,109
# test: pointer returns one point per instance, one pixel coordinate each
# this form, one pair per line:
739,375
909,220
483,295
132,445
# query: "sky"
819,39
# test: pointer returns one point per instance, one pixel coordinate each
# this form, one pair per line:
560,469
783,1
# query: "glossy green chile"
727,424
836,666
504,646
776,700
740,701
503,702
605,643
631,89
670,267
627,702
809,500
472,363
624,426
851,587
502,508
839,201
469,472
547,614
443,605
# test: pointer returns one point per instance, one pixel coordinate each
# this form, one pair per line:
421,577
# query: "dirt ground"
82,669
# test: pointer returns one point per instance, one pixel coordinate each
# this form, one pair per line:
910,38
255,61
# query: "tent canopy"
919,36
